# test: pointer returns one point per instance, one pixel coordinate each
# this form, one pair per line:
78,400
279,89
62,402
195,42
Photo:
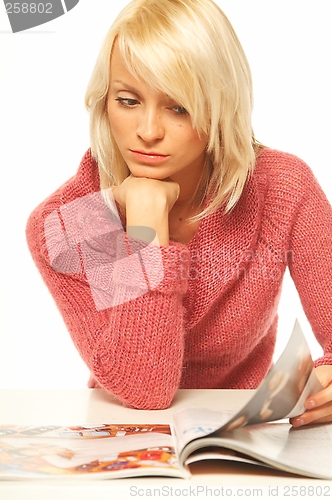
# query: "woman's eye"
180,110
126,101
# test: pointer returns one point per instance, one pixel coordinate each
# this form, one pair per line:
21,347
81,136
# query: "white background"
44,133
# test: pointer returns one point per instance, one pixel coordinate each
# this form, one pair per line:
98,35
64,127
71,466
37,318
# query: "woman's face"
154,134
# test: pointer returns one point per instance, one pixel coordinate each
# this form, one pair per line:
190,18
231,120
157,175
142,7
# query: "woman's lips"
149,157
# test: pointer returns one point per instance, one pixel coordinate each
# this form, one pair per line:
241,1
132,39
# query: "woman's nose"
150,127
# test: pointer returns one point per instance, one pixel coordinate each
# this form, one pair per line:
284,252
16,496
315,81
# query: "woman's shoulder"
84,182
283,174
55,206
280,163
287,186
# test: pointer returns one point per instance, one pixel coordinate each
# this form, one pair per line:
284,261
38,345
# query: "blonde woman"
165,254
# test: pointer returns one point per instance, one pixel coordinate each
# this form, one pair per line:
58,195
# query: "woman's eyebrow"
129,87
164,97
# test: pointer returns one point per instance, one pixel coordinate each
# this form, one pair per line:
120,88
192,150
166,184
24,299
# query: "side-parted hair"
188,50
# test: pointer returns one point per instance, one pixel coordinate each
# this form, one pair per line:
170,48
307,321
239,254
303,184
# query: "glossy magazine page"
102,451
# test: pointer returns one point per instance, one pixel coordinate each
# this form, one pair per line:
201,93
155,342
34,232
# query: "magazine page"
305,451
219,453
194,423
102,451
283,391
281,395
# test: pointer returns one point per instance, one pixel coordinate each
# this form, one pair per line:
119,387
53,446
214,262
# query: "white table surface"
209,480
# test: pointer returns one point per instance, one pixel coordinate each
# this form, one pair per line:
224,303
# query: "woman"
171,278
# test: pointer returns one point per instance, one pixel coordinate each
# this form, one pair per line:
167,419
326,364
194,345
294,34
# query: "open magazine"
251,435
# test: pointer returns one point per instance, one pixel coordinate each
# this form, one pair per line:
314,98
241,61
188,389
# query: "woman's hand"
147,203
137,189
319,406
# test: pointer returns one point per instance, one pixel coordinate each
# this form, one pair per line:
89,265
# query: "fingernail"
310,404
297,422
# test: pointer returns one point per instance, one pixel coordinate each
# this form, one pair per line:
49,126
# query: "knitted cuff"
324,360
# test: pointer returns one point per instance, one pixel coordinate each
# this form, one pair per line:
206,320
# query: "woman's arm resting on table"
133,347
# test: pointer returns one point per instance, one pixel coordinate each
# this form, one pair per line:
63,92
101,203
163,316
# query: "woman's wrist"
142,215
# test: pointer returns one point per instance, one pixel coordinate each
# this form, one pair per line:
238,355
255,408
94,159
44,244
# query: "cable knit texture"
209,320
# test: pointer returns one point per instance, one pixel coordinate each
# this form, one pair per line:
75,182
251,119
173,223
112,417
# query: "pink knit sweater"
211,321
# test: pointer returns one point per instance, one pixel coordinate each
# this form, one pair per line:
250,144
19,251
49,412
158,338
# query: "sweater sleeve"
310,260
124,314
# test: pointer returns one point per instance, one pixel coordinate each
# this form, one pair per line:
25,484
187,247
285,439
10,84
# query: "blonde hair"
188,50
